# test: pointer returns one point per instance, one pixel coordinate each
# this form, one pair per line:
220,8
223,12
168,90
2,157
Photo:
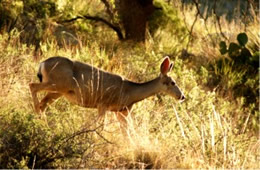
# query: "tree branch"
109,10
218,21
197,7
193,24
98,19
205,20
191,30
84,131
109,24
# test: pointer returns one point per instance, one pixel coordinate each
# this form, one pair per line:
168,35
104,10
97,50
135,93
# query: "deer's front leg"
36,87
49,98
34,96
122,118
101,114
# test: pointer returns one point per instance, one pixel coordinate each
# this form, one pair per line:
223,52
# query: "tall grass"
203,132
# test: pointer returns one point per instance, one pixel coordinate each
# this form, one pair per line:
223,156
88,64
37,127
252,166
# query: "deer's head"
168,85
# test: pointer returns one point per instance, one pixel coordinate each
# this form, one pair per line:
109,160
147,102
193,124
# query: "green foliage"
240,62
237,51
242,39
240,71
223,47
42,9
9,11
166,17
28,142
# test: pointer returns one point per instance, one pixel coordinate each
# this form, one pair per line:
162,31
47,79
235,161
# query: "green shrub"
29,142
239,72
242,66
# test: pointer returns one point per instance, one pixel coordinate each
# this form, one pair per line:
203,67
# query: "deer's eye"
173,83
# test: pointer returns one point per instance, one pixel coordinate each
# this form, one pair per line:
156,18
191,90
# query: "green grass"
207,130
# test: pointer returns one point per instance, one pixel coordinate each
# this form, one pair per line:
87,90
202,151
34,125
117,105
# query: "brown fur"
91,87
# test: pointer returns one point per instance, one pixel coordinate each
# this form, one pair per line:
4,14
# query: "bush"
29,142
239,73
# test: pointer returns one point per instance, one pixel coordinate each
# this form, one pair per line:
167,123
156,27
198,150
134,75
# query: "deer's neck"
139,91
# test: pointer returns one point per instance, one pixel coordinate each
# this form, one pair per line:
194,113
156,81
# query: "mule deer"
91,87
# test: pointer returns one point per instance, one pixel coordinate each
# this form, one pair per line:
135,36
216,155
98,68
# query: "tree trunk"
134,15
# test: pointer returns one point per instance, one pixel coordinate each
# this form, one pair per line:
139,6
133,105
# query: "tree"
134,15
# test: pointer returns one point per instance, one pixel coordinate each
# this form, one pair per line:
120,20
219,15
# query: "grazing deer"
91,87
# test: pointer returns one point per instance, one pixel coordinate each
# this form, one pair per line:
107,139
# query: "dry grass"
202,132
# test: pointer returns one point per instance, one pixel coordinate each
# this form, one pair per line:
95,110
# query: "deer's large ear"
166,66
170,68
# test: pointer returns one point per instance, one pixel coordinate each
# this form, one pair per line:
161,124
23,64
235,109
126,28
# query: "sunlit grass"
202,132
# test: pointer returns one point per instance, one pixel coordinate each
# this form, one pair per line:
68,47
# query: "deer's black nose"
182,97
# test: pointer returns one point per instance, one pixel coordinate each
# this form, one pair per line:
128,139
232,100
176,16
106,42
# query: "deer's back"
82,83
